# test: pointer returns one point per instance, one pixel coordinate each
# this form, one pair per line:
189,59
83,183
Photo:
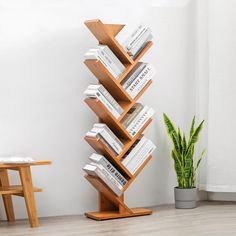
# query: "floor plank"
210,218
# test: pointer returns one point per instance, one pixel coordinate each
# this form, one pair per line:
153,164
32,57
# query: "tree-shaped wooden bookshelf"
112,206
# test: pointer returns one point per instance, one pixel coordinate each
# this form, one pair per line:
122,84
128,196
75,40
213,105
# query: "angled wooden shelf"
102,149
112,206
106,117
107,79
105,34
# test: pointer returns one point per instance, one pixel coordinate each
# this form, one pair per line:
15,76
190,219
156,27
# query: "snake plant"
183,152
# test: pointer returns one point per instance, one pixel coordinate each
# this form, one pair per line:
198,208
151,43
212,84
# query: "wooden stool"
25,190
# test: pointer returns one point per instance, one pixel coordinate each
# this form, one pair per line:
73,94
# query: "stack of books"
133,38
106,136
136,117
138,77
137,155
16,160
103,169
107,58
97,91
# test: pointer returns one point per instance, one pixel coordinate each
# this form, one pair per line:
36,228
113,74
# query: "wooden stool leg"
7,199
26,180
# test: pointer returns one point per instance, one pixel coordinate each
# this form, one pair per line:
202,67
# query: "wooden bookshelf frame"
112,206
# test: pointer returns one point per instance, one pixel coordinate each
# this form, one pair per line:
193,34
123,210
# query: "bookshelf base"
108,215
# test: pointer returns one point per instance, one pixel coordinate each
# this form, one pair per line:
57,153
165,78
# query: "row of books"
138,154
133,160
101,132
98,91
104,54
136,117
133,38
137,78
102,168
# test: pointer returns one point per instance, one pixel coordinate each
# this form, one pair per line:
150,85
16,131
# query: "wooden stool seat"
25,190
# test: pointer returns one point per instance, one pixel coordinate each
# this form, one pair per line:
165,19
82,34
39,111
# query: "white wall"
42,79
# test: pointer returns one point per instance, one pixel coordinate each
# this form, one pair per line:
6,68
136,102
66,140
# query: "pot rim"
185,188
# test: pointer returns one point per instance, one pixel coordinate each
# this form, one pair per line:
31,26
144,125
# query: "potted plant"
184,164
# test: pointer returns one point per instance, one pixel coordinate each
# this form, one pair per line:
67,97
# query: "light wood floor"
210,218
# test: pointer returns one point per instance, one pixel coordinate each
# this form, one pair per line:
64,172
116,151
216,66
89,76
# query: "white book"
112,64
97,94
141,80
99,137
112,57
133,74
137,118
129,34
107,95
95,55
137,37
141,156
95,171
143,159
97,158
112,142
134,151
138,48
104,126
133,130
107,174
146,36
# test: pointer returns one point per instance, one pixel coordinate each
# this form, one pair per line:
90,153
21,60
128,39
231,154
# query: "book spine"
143,153
113,171
95,55
107,144
116,139
127,34
88,171
105,102
142,160
113,57
108,96
108,175
99,137
130,117
129,80
139,42
109,139
139,48
134,128
113,187
134,151
112,65
136,37
146,74
113,102
137,117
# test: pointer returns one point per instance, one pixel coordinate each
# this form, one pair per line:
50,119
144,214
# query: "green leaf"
180,141
178,168
199,159
192,127
188,165
169,125
194,137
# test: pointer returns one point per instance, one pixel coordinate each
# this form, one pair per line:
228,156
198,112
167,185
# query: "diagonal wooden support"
7,198
28,191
